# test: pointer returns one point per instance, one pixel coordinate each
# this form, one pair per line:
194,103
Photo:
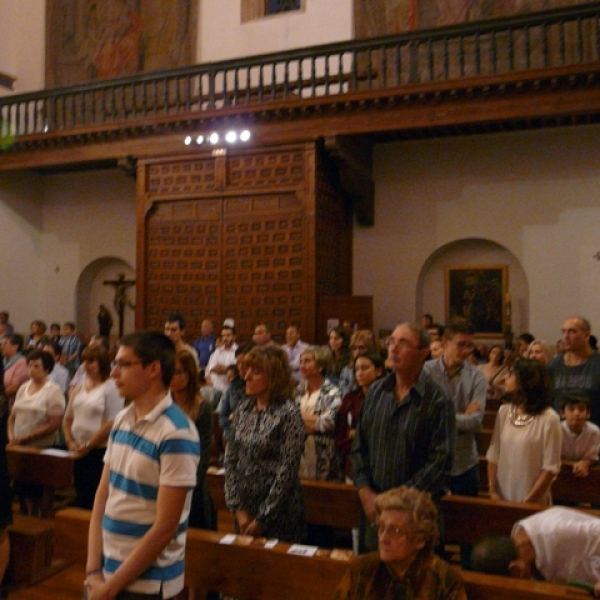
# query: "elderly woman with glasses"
405,565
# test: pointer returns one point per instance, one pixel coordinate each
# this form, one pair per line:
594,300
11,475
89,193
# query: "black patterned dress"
261,468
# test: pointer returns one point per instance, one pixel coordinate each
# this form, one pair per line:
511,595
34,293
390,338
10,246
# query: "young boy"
581,439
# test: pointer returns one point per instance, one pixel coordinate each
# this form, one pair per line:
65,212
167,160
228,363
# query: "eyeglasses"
401,344
394,532
125,364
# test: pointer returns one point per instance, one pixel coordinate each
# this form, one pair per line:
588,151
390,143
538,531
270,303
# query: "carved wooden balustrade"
541,41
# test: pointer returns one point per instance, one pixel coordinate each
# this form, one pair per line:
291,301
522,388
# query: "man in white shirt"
293,348
216,370
556,543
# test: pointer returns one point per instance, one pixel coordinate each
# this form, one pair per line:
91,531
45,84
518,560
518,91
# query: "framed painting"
481,295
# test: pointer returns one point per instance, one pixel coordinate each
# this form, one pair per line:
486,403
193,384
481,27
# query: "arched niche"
91,292
472,252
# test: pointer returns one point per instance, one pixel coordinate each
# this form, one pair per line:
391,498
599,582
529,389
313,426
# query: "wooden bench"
255,573
332,504
31,548
483,438
566,488
48,468
469,518
489,419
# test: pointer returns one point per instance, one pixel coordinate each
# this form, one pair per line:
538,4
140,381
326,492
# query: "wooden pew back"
255,573
566,488
332,504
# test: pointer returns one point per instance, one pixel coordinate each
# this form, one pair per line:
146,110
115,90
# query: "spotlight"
231,137
200,139
188,140
214,138
245,135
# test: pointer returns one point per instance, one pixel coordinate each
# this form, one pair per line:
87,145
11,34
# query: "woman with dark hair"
524,453
368,367
37,329
495,371
93,405
405,565
361,342
262,486
339,344
34,421
185,392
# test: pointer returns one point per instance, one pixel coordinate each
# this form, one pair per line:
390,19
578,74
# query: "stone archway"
472,252
90,292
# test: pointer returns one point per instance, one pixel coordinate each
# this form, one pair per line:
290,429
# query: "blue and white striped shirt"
161,448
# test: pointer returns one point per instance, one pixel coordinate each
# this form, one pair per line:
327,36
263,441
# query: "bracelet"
94,572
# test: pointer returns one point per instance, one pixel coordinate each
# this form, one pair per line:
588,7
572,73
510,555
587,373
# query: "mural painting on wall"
87,40
479,294
381,17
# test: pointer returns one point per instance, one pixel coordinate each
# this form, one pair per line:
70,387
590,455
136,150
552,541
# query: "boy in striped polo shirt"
138,527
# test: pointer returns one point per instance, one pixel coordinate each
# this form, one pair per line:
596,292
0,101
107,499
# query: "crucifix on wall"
121,299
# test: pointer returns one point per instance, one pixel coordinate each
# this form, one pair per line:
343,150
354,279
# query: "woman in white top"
93,405
319,401
524,454
35,421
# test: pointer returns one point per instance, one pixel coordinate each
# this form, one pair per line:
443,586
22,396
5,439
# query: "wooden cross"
121,300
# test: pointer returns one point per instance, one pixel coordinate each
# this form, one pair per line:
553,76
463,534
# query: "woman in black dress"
184,389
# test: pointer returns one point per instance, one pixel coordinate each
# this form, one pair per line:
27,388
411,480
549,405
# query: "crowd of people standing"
381,416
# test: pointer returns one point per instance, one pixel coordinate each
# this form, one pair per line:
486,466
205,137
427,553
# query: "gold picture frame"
479,293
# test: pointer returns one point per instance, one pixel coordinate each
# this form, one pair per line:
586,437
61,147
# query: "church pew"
332,504
489,418
49,468
253,572
469,518
566,488
483,438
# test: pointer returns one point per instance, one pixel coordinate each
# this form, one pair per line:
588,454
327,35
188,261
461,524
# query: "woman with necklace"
93,405
524,454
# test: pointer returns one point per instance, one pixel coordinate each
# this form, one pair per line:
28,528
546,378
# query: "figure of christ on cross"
121,299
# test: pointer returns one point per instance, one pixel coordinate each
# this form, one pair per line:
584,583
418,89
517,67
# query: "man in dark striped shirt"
406,430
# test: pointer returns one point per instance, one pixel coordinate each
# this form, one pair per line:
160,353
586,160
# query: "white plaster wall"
21,289
22,31
86,216
222,35
536,193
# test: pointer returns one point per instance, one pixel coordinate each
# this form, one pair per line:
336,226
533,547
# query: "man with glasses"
467,386
578,368
406,430
136,542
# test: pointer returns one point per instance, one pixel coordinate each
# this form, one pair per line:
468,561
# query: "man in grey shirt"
467,387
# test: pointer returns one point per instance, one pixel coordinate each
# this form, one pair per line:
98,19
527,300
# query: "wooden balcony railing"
556,38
